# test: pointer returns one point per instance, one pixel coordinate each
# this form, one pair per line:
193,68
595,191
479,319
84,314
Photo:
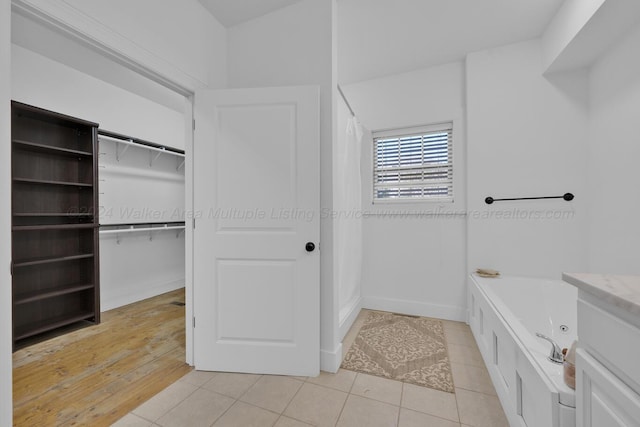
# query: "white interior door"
257,199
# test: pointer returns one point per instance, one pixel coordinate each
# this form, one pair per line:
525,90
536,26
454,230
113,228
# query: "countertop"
621,291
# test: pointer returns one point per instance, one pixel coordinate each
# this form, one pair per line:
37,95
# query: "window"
413,164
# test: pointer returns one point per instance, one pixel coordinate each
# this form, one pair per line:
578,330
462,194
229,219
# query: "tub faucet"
556,352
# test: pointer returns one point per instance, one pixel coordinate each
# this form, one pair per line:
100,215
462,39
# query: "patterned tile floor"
344,399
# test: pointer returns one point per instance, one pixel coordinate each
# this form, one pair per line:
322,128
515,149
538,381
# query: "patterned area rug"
403,348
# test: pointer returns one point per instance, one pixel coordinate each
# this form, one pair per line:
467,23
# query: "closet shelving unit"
147,228
123,143
141,221
55,260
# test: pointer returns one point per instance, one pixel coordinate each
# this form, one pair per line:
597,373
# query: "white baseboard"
114,301
351,313
414,308
330,361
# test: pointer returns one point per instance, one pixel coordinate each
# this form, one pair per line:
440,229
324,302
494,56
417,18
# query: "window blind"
411,164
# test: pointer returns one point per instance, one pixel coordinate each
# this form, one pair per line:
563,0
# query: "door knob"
310,246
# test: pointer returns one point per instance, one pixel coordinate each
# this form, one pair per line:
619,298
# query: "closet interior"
97,210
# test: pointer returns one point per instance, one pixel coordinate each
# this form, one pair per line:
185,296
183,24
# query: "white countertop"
621,291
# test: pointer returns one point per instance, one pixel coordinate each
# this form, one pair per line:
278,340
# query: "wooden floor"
96,375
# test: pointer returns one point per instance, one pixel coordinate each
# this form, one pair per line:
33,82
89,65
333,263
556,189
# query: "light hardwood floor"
96,375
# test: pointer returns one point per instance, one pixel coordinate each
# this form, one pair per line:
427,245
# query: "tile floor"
345,399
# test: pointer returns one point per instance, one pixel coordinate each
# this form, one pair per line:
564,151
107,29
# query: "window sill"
421,208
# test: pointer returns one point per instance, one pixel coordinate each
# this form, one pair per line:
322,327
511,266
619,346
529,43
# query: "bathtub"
504,315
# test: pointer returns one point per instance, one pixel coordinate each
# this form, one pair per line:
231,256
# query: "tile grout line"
278,416
342,409
292,399
445,337
247,390
353,383
225,411
350,388
348,394
400,408
170,409
378,400
457,407
434,415
479,392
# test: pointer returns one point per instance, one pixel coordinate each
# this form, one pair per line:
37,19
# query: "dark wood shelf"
51,214
53,227
33,146
39,327
48,260
28,297
50,182
54,205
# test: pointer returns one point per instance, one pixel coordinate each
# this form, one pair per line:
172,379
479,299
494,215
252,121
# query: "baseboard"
330,361
111,302
414,308
351,313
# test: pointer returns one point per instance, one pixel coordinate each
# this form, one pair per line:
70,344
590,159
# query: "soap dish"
487,272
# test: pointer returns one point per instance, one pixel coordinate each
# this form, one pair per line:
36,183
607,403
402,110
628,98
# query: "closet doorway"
143,136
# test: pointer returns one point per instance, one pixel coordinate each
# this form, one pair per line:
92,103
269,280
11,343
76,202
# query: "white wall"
614,151
429,95
182,33
127,277
6,382
139,265
42,82
62,48
414,263
288,47
584,30
565,26
526,137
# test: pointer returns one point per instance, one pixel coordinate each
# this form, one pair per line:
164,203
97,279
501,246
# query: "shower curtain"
349,220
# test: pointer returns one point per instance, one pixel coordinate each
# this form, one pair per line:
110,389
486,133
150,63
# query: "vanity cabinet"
603,399
607,368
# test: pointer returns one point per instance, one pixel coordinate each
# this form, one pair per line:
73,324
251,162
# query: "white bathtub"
505,314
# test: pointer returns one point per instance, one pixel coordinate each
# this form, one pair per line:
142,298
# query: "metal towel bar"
566,196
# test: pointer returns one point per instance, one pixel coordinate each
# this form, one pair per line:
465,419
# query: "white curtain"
348,225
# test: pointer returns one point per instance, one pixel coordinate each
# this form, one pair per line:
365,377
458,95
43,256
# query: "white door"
257,199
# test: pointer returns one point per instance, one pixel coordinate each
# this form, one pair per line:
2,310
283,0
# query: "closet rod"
132,229
132,142
345,101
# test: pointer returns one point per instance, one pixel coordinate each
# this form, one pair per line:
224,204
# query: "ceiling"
384,37
233,12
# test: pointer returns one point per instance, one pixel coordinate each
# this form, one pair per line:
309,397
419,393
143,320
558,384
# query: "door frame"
6,342
66,20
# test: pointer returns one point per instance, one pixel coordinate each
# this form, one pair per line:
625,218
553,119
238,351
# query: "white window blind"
413,164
